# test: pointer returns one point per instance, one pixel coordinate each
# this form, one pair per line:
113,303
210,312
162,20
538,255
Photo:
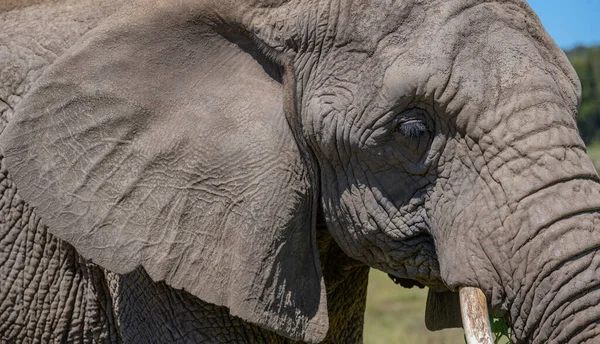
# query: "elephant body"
228,171
60,297
51,294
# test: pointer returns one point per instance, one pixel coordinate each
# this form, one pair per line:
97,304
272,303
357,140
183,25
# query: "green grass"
396,315
593,150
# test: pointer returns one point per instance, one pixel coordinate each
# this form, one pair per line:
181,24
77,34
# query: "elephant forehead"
462,57
479,60
409,46
374,25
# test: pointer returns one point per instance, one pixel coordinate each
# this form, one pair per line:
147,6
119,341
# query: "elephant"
229,171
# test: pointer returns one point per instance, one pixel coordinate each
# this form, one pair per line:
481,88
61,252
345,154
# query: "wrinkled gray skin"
192,170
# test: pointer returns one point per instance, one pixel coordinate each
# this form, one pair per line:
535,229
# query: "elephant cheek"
369,228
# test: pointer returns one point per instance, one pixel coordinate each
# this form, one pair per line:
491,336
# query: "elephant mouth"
416,264
436,285
406,282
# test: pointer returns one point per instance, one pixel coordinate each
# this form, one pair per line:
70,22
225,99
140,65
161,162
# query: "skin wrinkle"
386,206
590,332
551,146
580,333
544,272
459,216
398,211
359,169
549,224
324,22
27,241
498,275
501,188
513,141
552,75
484,57
480,174
551,270
380,208
3,102
565,303
550,315
30,68
354,224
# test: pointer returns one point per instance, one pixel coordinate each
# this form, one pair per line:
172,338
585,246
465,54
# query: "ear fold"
158,142
442,310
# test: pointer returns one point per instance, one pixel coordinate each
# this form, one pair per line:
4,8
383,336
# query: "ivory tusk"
475,317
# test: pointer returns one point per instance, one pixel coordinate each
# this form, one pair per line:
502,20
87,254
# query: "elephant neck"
346,285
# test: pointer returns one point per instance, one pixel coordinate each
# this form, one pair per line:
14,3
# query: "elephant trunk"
555,290
545,274
525,228
544,254
543,277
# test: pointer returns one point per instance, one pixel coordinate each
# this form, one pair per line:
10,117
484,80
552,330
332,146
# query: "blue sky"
570,22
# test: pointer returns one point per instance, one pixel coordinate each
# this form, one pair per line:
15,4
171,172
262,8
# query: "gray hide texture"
249,159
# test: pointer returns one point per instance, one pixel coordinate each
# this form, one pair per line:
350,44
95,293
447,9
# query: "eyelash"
412,129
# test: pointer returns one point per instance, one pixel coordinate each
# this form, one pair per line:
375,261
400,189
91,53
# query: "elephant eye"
412,124
412,129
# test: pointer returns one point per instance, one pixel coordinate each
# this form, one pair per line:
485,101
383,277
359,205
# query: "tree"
587,64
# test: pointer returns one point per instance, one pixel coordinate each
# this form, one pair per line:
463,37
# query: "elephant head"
198,139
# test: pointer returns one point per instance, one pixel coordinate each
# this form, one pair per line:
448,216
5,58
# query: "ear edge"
442,311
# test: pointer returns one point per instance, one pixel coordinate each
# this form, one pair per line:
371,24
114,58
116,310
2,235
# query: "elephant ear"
442,310
158,141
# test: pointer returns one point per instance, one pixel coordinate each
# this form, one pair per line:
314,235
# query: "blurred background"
396,315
